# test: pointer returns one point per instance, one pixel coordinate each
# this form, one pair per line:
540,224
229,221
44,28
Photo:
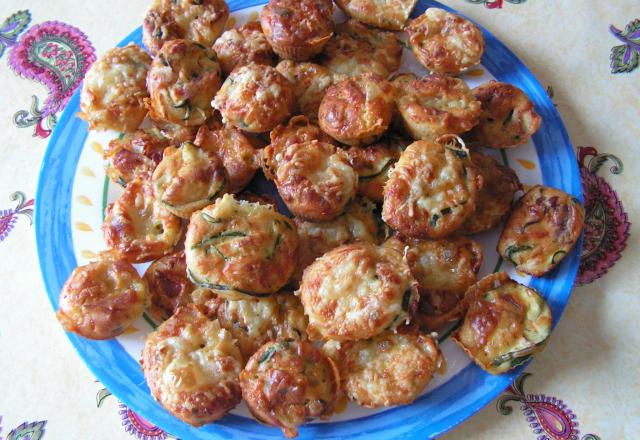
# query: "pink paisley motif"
9,217
139,427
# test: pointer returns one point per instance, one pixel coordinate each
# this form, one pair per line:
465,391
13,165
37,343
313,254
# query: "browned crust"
243,45
169,286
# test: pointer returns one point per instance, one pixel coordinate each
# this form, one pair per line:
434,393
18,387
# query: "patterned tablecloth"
583,386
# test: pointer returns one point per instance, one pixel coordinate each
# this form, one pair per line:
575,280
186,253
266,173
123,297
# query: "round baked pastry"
508,117
431,190
183,80
256,321
390,369
114,90
541,230
310,82
240,249
357,110
137,227
243,45
444,270
192,367
385,14
289,382
101,299
169,286
255,98
504,323
358,290
201,21
297,29
499,185
435,105
444,42
358,49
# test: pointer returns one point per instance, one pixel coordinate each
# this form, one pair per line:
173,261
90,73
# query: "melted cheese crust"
541,230
169,286
137,227
358,290
310,82
134,155
240,249
183,80
357,110
192,367
289,382
444,42
505,322
114,90
385,14
201,21
243,45
101,299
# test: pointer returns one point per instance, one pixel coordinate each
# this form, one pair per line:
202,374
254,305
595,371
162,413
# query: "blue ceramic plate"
72,193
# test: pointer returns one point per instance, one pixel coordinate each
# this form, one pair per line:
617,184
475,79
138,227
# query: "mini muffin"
541,230
314,180
437,105
100,300
287,383
358,49
357,110
180,133
508,117
114,90
504,324
373,163
201,21
358,290
256,321
444,270
243,45
137,227
310,82
385,14
134,154
499,185
444,42
390,369
169,286
297,29
255,98
183,80
192,367
431,190
240,249
358,223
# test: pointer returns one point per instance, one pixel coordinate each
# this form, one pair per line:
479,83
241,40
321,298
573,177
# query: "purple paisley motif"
9,217
139,427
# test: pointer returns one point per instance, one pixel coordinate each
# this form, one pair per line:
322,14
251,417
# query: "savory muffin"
358,49
444,42
541,230
243,45
255,98
255,321
431,190
182,81
201,21
435,105
504,323
357,110
297,29
114,89
390,369
169,286
358,290
289,382
385,14
137,227
310,82
508,117
240,249
444,270
101,299
192,367
499,185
